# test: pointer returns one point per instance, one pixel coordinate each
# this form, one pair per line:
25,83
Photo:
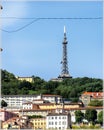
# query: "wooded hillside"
68,88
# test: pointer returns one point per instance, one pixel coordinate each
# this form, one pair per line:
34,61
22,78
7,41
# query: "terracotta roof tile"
94,94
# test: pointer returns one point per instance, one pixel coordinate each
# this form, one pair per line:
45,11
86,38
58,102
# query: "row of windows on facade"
17,100
35,97
57,123
40,123
50,128
57,117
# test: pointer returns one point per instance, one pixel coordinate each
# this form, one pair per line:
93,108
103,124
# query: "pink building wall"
5,115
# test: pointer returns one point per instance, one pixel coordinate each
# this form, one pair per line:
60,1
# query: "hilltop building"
29,79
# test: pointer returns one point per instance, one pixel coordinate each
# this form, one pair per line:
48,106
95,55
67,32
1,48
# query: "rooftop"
94,94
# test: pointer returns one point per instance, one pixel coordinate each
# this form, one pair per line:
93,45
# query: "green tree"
37,83
70,88
79,116
3,104
100,117
95,103
6,76
24,84
91,115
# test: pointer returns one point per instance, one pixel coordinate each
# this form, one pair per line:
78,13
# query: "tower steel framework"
64,62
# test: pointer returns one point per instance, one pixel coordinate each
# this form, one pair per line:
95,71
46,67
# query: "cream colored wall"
29,79
39,123
4,125
54,106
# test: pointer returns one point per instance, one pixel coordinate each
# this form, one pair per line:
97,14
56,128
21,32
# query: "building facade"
39,123
5,115
86,97
29,79
58,121
52,98
18,100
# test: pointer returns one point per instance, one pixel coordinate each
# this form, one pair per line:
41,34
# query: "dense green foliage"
3,104
100,117
91,115
79,116
96,103
68,88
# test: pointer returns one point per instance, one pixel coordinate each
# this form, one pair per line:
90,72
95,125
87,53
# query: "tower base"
61,78
65,76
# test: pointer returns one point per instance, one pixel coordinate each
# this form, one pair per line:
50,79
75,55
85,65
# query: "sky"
34,47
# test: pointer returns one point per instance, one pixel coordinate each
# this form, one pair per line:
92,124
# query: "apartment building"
52,98
58,120
39,123
28,105
50,106
18,100
86,97
32,112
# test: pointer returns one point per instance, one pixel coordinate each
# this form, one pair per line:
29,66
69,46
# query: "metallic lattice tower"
64,62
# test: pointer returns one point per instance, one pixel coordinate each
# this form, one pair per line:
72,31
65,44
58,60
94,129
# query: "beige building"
33,112
49,106
29,79
39,123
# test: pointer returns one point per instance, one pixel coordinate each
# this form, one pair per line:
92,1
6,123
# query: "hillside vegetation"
68,88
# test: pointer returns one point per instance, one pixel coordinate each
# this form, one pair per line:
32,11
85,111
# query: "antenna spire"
64,29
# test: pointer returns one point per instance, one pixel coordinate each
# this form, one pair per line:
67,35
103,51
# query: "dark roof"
58,114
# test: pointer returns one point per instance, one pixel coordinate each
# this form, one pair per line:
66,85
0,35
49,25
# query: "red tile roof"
94,94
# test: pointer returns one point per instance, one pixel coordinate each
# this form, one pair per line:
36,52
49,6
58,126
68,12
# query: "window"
55,123
55,117
64,123
49,123
59,122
